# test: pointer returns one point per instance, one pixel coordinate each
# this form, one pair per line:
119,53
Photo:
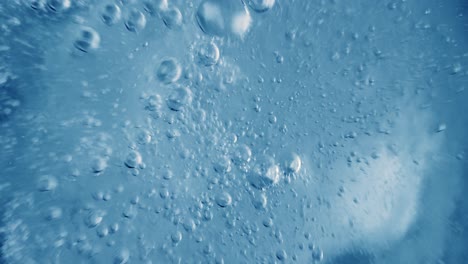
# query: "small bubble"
154,103
281,255
291,35
88,39
260,201
279,59
106,197
114,228
155,6
111,14
135,200
167,174
169,71
292,163
441,127
172,17
207,215
223,165
136,21
176,237
317,254
54,213
173,133
268,222
189,225
129,212
94,218
272,119
37,4
241,155
261,5
47,183
208,54
122,256
179,98
164,193
103,231
98,195
144,137
58,5
99,164
133,159
457,68
223,199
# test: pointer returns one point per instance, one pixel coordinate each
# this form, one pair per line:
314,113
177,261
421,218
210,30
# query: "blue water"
229,131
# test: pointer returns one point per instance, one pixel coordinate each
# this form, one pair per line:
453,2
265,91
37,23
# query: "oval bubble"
136,21
111,14
221,18
88,39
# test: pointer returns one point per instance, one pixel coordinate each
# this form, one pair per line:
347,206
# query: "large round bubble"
221,18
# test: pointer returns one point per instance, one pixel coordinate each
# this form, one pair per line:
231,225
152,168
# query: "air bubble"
261,5
260,202
136,21
292,163
94,219
54,213
144,137
268,222
167,174
47,183
317,254
103,231
189,225
155,6
176,237
129,212
88,39
223,165
223,199
441,127
58,5
111,14
114,228
179,98
241,155
154,103
122,257
265,173
133,159
208,54
37,4
281,255
172,17
169,71
217,17
272,119
99,164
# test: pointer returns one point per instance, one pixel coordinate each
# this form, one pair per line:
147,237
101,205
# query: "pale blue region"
215,131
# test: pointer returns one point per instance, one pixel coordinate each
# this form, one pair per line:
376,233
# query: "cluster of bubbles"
216,18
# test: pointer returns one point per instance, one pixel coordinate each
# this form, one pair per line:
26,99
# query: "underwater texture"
234,131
